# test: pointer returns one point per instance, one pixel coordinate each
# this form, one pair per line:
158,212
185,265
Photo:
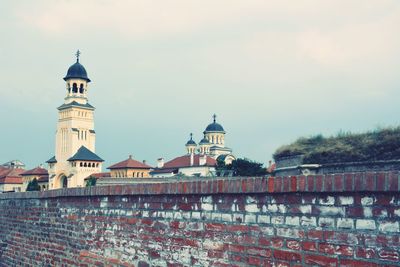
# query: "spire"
191,136
215,117
77,54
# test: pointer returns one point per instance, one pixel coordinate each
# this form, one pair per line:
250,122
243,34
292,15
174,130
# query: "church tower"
74,158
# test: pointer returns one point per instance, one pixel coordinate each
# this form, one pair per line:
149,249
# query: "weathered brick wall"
342,220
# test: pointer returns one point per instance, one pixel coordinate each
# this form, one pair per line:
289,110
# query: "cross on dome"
215,117
77,54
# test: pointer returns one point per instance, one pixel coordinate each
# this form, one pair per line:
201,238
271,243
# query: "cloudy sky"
271,70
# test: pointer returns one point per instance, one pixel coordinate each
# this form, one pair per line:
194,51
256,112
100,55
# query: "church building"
213,143
200,160
75,157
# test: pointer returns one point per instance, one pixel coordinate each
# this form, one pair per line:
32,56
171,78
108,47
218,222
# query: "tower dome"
77,70
191,142
204,141
214,126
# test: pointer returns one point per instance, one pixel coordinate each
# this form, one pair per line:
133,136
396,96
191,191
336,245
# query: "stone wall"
332,220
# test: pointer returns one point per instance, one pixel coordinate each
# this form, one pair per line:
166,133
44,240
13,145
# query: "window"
85,165
81,88
74,88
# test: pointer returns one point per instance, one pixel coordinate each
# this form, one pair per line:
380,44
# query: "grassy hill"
380,144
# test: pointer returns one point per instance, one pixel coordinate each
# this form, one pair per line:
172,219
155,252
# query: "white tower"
75,136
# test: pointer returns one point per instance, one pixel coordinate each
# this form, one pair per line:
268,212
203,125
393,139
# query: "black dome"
77,71
191,142
215,127
204,141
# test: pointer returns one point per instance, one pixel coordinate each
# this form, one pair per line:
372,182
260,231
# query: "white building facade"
74,158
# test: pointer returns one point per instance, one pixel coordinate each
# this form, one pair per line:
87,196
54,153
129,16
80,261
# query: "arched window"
85,165
81,164
74,88
81,88
142,174
97,164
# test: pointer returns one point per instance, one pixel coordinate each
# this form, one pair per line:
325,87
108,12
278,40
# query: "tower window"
74,88
81,88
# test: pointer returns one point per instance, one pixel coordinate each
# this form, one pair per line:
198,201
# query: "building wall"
340,220
133,173
10,187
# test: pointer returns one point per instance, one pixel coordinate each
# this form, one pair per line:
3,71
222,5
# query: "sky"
271,70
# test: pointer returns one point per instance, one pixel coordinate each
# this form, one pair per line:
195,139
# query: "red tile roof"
184,161
130,164
99,175
10,176
36,171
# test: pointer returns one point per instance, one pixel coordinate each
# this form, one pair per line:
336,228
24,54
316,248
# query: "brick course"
333,220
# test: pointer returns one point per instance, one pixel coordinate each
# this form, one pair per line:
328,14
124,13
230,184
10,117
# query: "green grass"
380,144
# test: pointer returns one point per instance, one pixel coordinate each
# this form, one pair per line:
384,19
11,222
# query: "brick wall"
333,220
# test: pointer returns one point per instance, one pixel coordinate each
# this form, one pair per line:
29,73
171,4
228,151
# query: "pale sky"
271,70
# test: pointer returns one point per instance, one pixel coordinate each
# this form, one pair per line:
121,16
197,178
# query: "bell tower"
75,136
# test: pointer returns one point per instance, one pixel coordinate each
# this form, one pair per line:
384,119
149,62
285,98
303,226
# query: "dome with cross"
77,70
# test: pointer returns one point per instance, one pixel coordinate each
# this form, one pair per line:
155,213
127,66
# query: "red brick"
293,184
318,260
310,183
287,255
309,246
271,184
262,252
380,181
393,181
301,183
319,183
367,253
370,181
286,184
278,184
315,234
338,182
328,181
327,248
277,242
348,182
358,181
356,263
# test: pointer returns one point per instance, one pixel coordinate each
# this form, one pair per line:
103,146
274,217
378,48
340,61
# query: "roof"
76,104
191,142
36,171
10,176
99,175
129,164
215,127
184,161
204,141
77,70
85,154
14,164
52,160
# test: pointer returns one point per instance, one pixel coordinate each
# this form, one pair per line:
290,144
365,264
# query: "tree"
243,167
33,185
91,181
246,167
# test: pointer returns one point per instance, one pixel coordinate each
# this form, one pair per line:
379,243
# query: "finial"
130,156
191,136
214,117
78,53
